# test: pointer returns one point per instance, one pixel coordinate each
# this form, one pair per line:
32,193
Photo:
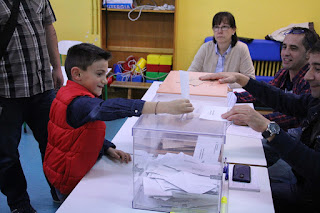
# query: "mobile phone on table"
241,173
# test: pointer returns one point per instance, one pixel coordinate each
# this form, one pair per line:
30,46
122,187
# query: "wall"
77,20
254,19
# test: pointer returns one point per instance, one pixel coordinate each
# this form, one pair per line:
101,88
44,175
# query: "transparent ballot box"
178,163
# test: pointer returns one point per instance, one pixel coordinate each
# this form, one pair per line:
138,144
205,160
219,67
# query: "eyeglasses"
223,28
295,31
301,31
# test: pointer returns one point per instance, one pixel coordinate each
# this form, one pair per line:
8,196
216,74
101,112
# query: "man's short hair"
316,48
310,36
83,55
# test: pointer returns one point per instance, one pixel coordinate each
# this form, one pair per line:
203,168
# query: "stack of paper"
172,175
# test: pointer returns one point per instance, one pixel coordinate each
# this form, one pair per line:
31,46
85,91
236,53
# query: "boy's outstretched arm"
175,107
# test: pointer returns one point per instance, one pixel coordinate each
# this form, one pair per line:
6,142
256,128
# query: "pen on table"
227,172
225,189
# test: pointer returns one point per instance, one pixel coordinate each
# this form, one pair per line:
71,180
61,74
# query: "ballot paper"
173,180
190,164
184,174
192,183
213,113
232,99
243,131
184,84
208,149
152,188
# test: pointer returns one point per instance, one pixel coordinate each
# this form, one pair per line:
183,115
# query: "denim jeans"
13,112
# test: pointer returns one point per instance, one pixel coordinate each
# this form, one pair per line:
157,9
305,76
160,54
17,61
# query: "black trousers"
13,112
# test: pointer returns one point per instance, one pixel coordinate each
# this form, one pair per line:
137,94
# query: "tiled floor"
38,188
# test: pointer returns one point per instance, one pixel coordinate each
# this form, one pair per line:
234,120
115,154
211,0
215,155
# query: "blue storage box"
136,78
264,78
123,77
117,68
261,50
265,50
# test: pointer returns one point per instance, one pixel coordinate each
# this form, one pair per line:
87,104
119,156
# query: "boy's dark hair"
83,55
229,18
315,49
310,36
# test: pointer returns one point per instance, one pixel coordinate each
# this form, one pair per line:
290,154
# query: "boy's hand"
175,107
119,155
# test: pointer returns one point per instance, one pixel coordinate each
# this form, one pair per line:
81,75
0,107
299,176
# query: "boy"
76,129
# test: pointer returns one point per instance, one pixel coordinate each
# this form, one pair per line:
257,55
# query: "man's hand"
57,77
119,155
227,77
244,114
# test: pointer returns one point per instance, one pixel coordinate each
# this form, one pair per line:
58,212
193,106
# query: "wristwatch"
272,129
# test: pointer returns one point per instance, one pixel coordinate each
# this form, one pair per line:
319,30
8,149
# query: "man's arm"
244,97
284,121
300,157
52,43
271,96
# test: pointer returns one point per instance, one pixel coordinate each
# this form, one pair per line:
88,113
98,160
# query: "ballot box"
177,159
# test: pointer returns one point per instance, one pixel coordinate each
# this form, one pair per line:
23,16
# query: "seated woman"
224,53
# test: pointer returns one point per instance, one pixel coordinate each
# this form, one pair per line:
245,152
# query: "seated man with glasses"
303,155
290,79
224,53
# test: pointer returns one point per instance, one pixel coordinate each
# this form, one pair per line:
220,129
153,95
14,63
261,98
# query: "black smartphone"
241,173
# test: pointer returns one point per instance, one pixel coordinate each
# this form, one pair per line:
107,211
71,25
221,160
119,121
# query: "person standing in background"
26,90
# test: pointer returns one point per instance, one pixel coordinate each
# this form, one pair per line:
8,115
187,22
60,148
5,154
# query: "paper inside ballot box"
197,87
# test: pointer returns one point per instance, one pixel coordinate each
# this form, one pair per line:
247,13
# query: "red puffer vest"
70,152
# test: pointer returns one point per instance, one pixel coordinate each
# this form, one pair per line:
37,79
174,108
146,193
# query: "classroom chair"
63,47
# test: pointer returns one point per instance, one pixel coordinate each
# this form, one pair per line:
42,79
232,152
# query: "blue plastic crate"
136,78
261,50
264,78
123,77
117,68
265,50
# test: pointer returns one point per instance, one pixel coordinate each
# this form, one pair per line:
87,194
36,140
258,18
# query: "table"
108,187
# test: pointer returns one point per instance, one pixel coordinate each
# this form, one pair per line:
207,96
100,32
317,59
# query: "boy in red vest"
76,130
